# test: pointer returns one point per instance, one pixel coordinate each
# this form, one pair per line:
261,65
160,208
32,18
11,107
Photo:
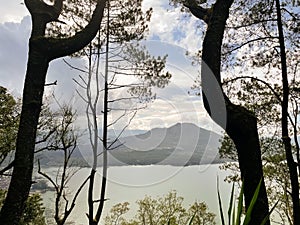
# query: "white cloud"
170,25
13,59
13,53
12,11
176,34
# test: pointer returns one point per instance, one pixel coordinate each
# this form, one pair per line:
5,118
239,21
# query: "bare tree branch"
8,167
248,42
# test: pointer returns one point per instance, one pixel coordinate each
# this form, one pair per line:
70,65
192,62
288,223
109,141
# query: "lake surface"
132,183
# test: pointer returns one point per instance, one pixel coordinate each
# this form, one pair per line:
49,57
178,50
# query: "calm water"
131,183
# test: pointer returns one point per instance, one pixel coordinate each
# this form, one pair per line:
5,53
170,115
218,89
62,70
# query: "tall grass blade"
240,206
220,203
233,214
252,203
231,205
268,216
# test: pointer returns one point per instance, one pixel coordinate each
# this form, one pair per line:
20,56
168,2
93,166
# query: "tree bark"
23,163
41,51
105,123
292,165
239,123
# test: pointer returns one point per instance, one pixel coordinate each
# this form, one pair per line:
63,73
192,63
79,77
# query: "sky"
170,32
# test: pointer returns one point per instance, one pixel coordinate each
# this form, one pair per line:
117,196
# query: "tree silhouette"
241,123
42,50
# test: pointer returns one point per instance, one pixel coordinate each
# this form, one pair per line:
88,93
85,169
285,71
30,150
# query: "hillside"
179,145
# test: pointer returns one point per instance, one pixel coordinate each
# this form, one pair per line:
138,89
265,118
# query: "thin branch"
122,131
8,167
133,109
78,192
257,79
99,200
248,42
47,177
119,145
81,96
116,120
79,84
50,84
74,67
265,83
118,86
122,99
291,14
45,138
250,24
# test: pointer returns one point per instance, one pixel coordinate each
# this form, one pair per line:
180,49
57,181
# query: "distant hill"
179,145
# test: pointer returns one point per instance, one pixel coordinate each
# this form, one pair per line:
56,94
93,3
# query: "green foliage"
235,215
144,70
127,21
34,211
275,170
56,129
148,69
258,48
163,210
116,214
9,120
201,215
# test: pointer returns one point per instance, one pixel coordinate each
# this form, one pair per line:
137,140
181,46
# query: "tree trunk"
90,215
41,51
242,129
239,123
105,122
23,164
284,122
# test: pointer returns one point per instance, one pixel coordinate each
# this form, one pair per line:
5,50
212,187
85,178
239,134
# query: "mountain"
180,145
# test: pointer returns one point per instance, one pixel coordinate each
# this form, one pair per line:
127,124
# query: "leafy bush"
34,211
162,211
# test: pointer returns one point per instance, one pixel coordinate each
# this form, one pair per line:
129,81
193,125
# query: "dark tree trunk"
284,122
105,125
239,123
90,215
41,51
242,128
32,100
